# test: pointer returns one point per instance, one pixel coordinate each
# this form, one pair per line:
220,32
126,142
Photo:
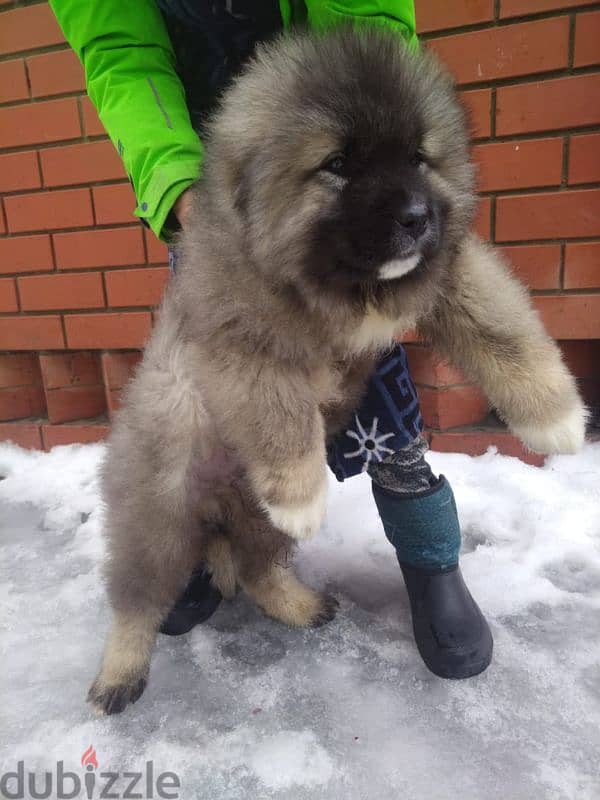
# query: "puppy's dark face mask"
384,220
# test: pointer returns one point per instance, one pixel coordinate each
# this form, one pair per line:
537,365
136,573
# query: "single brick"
476,443
92,125
584,158
516,8
8,295
25,254
80,163
505,52
573,316
68,208
124,330
56,292
587,39
448,408
111,247
582,267
157,251
136,287
37,123
60,370
29,27
114,204
19,369
55,435
19,171
548,105
19,402
65,370
478,104
548,215
429,369
537,265
55,73
25,434
517,165
31,333
75,402
435,15
13,81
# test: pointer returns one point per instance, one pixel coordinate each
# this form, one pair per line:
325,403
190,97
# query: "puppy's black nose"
414,219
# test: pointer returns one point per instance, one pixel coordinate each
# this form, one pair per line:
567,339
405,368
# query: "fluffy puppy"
334,212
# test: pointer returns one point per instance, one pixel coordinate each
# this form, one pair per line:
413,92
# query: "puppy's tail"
220,562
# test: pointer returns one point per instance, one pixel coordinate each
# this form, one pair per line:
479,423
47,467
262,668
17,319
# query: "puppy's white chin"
398,267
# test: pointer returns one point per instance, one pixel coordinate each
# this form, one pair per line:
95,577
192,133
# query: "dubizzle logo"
66,785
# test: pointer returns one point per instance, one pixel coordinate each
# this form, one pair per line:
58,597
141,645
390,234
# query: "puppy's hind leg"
151,521
126,663
145,580
282,596
261,554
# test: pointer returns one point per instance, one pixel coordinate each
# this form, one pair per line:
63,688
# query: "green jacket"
131,79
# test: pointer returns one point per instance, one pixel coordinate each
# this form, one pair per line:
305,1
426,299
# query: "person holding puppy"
153,71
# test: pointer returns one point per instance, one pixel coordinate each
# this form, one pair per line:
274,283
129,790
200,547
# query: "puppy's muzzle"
411,227
412,233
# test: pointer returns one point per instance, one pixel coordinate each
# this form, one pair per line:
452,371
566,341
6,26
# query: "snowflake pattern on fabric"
370,445
389,409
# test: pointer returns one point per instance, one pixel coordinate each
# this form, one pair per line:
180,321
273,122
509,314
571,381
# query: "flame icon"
89,758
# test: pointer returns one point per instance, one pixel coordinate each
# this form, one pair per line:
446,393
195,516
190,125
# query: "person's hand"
182,207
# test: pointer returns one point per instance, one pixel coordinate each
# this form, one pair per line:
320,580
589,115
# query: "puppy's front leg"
485,324
268,415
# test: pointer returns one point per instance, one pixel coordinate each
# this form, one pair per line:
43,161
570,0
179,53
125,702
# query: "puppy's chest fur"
345,374
374,332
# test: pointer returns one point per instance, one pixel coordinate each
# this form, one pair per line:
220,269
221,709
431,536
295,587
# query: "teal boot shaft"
423,527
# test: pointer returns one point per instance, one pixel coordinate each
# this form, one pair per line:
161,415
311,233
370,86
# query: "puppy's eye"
334,163
417,159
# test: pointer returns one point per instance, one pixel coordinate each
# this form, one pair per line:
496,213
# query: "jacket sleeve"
130,76
397,15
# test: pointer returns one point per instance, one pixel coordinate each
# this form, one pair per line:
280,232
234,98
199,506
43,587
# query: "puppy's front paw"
299,520
565,435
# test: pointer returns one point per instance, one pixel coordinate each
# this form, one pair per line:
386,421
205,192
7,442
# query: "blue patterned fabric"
389,418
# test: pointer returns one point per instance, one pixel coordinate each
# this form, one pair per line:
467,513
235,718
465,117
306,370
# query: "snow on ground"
245,708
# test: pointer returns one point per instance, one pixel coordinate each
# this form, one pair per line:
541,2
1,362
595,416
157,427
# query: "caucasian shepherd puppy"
334,212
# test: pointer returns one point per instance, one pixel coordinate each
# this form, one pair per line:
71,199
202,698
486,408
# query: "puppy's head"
346,160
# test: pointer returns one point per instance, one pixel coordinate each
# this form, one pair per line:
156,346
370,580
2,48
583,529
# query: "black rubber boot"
452,634
198,602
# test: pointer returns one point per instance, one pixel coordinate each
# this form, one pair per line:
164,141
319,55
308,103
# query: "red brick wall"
79,277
